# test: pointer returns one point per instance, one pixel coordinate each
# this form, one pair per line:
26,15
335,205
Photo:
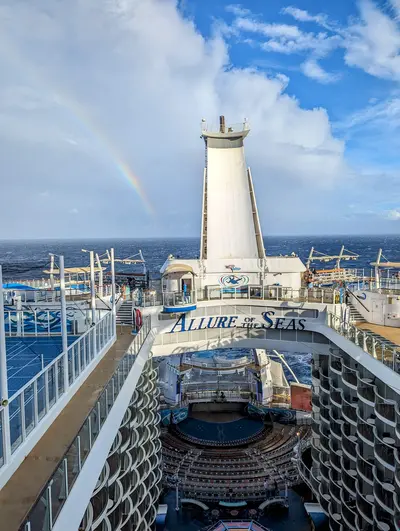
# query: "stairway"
125,313
355,315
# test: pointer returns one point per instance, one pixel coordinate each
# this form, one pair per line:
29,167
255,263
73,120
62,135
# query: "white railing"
220,396
45,294
269,293
178,298
33,402
26,323
376,348
55,493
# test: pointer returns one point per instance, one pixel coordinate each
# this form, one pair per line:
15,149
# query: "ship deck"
25,485
391,334
25,356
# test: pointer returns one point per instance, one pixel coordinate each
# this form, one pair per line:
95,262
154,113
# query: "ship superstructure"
83,438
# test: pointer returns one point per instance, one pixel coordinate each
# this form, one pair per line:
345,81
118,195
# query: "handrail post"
64,331
5,412
114,317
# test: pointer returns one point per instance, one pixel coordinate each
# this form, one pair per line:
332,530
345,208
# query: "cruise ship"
172,405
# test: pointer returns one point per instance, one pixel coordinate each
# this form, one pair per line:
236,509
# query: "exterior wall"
355,466
230,225
127,491
377,308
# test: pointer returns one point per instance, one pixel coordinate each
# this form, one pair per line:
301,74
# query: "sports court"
27,355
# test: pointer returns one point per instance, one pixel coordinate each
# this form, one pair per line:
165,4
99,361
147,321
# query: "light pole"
4,412
92,285
114,307
64,329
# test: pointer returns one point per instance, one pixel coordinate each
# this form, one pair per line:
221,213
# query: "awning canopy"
74,270
386,264
179,268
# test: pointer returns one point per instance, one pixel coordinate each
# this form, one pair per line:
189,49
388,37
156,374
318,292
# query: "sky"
101,103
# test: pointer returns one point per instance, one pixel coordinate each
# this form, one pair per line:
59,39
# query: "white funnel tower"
230,224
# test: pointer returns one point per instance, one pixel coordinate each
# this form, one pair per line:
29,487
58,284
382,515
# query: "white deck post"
100,275
113,291
4,412
64,329
92,288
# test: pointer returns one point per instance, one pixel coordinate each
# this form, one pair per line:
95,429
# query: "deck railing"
30,405
54,494
378,349
254,292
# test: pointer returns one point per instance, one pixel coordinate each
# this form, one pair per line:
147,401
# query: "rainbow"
122,166
11,54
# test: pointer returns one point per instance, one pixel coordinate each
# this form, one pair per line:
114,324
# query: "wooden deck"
23,488
390,333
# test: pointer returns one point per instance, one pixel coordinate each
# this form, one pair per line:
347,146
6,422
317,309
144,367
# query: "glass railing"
34,401
376,348
53,496
270,293
178,298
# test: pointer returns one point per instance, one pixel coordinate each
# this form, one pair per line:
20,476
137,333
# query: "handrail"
357,299
78,451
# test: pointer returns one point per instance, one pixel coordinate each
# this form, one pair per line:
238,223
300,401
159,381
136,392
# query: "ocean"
27,259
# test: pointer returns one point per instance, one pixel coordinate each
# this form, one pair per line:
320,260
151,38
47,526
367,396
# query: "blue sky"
98,94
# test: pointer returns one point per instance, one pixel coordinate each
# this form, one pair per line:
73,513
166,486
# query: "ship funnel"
222,124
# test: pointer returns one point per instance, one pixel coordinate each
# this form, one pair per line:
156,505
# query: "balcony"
179,301
349,513
349,411
385,409
336,397
349,446
325,382
335,362
349,377
324,414
349,480
383,492
364,468
364,505
366,390
384,450
365,429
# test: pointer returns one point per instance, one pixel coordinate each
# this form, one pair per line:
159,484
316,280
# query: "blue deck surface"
220,432
24,357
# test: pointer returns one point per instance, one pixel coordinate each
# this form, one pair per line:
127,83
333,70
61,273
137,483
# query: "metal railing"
47,322
53,496
368,342
178,298
80,291
30,404
254,292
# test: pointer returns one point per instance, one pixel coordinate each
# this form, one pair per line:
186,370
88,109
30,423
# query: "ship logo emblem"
234,281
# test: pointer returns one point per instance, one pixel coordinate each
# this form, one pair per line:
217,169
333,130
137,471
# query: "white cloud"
270,30
289,39
393,215
238,10
373,43
139,77
304,16
74,211
313,70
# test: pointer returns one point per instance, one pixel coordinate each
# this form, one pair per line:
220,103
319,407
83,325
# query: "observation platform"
25,485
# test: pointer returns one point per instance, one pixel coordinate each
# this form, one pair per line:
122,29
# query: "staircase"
125,314
355,315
